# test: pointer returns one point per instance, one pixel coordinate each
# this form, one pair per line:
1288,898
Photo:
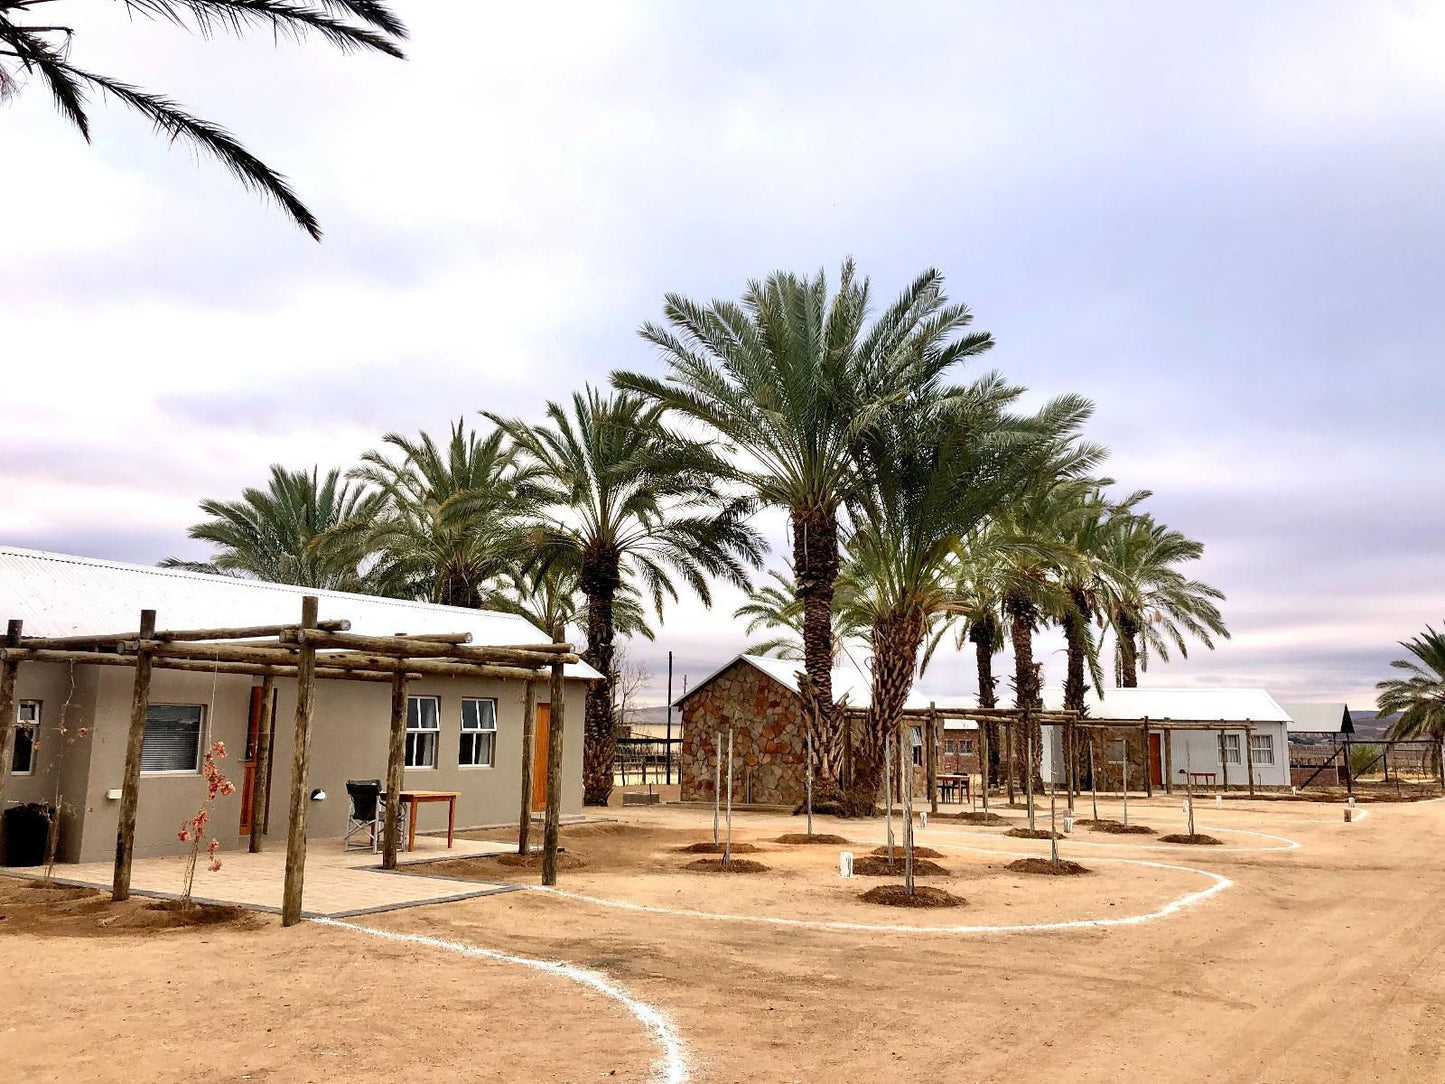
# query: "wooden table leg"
451,820
411,827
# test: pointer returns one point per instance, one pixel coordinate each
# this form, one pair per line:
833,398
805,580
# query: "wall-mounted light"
318,795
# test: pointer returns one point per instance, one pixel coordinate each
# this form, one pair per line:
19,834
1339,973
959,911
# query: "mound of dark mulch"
1199,839
802,839
716,848
1065,868
873,865
1119,828
973,817
1032,833
918,852
923,896
737,865
197,914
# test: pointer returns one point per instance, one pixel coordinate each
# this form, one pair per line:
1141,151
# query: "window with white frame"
1231,749
1261,748
950,748
423,726
27,729
172,738
965,747
915,735
479,733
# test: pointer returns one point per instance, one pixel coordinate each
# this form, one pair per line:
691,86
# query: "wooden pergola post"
300,769
1071,761
932,758
1009,755
130,783
1148,764
1223,762
261,778
9,669
529,741
556,720
395,766
983,763
1166,738
1249,755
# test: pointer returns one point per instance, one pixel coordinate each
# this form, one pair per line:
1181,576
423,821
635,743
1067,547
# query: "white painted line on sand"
670,1067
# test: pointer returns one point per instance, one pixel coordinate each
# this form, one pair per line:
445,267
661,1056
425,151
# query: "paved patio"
339,883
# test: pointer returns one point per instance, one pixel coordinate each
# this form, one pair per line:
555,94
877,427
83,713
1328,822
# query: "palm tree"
789,379
933,471
453,519
279,534
628,501
555,597
1148,602
775,607
1419,696
43,49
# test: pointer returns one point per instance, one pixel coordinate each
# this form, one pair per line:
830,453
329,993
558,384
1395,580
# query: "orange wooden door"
539,757
1156,759
248,767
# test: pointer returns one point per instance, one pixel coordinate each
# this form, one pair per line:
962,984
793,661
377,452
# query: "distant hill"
1367,726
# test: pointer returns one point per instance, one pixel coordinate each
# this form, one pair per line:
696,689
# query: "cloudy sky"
1223,224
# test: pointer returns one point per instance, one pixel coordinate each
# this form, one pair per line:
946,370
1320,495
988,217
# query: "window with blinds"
172,738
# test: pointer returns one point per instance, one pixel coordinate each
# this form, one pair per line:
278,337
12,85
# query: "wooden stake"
1223,762
932,758
888,793
717,790
261,778
1249,757
1009,754
395,772
906,766
1167,740
983,763
1053,829
1148,773
1126,779
1029,769
1093,778
810,783
556,720
130,782
529,742
728,844
300,771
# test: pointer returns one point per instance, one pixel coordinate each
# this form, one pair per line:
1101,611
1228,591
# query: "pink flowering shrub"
194,830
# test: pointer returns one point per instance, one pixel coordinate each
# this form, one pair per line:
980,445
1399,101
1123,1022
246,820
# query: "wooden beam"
529,740
395,764
250,632
300,769
261,777
9,669
96,658
403,648
556,722
130,783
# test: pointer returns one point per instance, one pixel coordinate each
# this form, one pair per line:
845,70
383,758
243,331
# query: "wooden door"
1156,759
248,767
539,758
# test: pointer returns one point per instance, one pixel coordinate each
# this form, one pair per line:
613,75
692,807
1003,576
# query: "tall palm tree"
1149,603
627,501
277,533
555,596
452,522
788,379
932,472
1419,696
775,607
42,48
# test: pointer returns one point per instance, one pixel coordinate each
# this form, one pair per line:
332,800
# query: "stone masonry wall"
769,739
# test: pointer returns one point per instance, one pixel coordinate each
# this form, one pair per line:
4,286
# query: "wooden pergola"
309,651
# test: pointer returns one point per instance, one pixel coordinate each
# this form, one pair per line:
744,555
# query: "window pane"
172,739
487,712
469,715
484,748
423,713
22,755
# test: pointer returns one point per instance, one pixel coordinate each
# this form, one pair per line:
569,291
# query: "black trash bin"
26,827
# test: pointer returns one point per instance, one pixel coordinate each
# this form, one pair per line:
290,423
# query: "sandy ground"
1321,961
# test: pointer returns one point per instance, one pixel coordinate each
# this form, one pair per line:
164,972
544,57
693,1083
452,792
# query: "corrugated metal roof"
60,595
1326,718
1205,705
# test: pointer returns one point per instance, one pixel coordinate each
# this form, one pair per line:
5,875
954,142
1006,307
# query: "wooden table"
414,798
1202,778
949,781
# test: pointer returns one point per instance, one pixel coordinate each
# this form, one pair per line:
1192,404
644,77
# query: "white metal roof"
1323,718
848,681
60,595
1198,705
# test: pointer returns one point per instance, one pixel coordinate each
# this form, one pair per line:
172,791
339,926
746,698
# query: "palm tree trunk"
896,642
1023,616
815,564
982,634
600,578
1128,632
1075,686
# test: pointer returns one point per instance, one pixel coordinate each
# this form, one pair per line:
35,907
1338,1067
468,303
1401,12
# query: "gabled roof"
59,595
1321,718
848,681
1179,705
